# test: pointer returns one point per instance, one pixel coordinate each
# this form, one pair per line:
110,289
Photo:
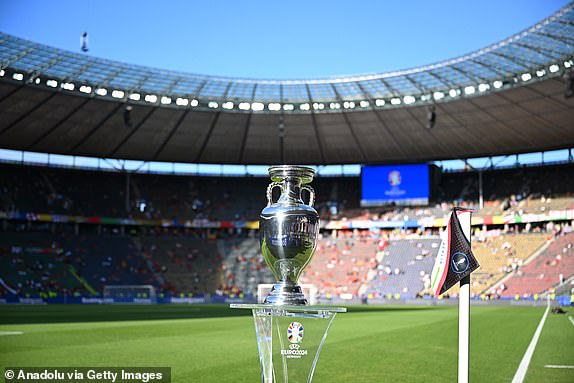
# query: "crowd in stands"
31,189
523,259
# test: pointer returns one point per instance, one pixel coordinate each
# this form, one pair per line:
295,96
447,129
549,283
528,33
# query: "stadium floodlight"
453,92
18,76
395,101
318,106
2,72
181,101
165,100
68,86
101,91
568,64
86,89
52,83
438,95
288,107
118,93
244,105
212,104
349,105
483,87
304,106
257,106
194,102
135,96
227,105
335,105
37,81
379,102
526,76
540,73
497,84
554,68
150,98
469,90
364,104
275,106
409,100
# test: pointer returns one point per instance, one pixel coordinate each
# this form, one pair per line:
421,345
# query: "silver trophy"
290,332
288,232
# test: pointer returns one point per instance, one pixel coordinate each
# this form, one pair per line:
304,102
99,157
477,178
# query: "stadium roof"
505,98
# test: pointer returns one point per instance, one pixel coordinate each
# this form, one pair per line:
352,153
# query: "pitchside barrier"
162,298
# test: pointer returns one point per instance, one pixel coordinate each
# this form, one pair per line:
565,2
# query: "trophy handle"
311,194
270,188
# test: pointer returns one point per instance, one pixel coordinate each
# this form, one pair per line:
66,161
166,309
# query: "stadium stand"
182,264
554,265
243,266
340,265
404,267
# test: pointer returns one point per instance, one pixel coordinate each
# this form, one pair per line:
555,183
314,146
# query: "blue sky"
274,39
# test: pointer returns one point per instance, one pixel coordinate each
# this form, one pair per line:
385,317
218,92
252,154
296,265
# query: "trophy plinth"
290,332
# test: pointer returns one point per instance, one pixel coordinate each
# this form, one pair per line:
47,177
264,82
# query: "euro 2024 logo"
295,332
295,336
395,178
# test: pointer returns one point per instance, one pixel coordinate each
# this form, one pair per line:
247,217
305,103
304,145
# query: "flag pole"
464,310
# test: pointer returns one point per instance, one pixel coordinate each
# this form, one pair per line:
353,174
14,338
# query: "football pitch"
211,343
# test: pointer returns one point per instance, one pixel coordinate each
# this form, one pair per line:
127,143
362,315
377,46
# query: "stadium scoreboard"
395,184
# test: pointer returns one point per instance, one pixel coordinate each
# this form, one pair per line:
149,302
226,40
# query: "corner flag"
455,260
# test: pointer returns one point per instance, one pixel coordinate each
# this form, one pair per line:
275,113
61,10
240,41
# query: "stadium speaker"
128,116
431,117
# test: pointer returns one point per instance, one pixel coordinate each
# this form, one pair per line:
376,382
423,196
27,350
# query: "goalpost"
130,294
309,290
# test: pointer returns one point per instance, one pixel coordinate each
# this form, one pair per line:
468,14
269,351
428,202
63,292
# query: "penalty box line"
11,333
525,362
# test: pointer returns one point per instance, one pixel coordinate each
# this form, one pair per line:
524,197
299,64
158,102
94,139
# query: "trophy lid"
279,173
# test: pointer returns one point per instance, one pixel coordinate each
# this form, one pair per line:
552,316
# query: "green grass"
215,344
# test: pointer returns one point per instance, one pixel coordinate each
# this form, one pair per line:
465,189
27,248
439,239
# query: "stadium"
130,200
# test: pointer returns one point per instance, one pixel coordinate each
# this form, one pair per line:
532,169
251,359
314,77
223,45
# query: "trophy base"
290,339
286,294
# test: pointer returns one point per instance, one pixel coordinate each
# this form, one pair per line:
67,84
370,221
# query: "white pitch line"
555,366
525,362
571,320
11,333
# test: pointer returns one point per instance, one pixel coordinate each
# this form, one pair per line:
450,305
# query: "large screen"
399,184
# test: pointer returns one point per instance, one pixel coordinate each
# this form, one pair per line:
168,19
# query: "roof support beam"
520,63
351,128
170,135
130,134
314,121
28,112
563,39
387,130
59,123
247,125
11,93
207,137
95,128
549,53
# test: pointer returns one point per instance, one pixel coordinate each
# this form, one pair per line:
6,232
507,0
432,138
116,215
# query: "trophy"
290,332
288,230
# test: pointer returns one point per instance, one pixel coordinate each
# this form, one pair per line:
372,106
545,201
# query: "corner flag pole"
464,309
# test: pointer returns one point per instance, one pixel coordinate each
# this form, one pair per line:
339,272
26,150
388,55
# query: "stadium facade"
193,238
504,99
